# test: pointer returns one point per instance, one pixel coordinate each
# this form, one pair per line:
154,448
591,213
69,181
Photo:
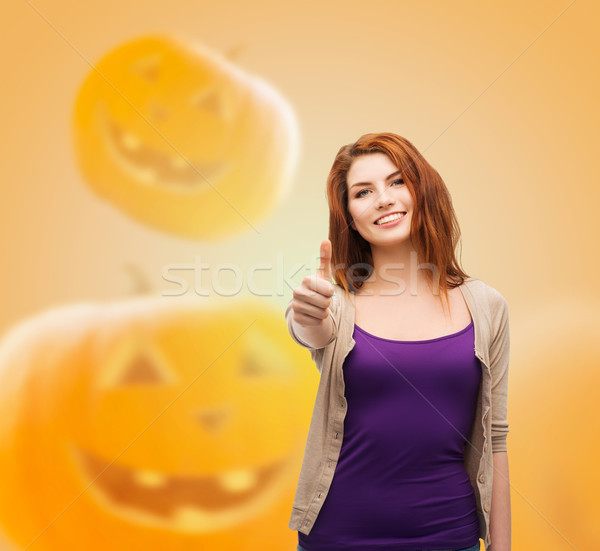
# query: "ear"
353,225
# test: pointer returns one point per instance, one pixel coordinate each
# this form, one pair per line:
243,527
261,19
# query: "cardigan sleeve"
317,354
499,362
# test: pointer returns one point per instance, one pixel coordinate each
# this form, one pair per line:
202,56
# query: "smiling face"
377,189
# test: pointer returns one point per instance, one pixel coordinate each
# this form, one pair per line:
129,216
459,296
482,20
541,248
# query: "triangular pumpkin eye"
212,103
141,370
148,67
135,362
214,100
208,100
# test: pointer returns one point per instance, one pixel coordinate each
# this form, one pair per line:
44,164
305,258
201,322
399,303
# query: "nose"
385,198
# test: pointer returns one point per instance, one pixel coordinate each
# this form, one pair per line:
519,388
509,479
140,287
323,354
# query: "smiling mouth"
390,218
184,503
155,167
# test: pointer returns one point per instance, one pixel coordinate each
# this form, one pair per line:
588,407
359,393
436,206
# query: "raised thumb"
324,271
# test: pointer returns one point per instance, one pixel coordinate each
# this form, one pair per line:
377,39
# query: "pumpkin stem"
140,280
234,52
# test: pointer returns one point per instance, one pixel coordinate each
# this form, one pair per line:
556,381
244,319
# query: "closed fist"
313,296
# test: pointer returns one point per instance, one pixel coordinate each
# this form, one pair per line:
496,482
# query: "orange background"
500,98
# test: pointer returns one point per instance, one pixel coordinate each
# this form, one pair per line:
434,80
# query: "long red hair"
434,230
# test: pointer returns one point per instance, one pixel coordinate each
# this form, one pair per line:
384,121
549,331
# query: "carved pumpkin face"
157,424
182,140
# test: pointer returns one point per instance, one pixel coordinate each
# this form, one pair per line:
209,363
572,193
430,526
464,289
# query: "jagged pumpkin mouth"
187,503
154,167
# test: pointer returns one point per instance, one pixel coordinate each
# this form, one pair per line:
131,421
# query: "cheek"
407,198
357,212
355,218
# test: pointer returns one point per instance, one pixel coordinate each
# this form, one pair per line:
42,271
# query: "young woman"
406,448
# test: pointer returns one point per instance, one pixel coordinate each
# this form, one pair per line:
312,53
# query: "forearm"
500,532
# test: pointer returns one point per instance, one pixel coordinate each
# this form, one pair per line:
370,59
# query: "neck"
398,272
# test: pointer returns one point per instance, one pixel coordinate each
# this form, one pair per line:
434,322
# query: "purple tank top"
400,483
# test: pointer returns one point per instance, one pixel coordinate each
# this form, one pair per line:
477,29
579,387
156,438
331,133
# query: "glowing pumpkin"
152,424
183,140
553,443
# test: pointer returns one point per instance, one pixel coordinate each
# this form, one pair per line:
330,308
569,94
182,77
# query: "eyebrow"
367,183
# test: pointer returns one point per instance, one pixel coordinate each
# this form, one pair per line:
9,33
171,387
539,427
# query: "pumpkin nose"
158,112
214,419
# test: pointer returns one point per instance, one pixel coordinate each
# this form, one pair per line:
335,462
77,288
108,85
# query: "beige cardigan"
489,311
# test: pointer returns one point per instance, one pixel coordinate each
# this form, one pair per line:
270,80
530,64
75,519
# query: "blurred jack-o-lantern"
183,140
553,442
152,424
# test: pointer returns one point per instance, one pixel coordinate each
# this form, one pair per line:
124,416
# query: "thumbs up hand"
324,271
313,297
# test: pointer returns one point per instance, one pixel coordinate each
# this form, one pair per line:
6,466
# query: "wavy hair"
434,229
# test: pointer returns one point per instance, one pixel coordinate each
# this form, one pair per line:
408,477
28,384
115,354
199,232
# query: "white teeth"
130,142
237,481
150,478
389,218
233,481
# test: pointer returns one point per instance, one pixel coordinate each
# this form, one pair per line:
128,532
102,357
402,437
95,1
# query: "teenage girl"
412,378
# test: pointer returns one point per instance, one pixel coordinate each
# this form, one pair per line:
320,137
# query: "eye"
399,181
